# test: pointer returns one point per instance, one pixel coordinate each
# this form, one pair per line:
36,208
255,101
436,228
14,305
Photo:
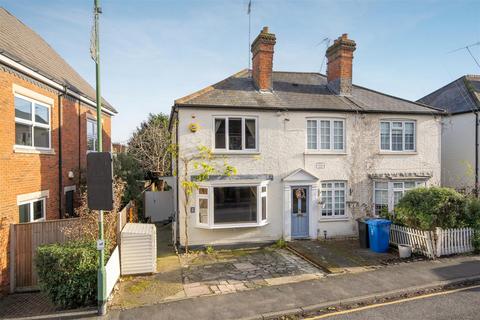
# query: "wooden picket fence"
420,241
452,241
431,244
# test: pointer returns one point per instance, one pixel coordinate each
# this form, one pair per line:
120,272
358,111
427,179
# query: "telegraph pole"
101,279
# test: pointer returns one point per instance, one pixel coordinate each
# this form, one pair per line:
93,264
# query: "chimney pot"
340,65
262,60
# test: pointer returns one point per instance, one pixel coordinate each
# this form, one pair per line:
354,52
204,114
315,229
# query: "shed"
138,248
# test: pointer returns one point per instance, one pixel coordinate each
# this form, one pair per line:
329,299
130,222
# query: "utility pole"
101,279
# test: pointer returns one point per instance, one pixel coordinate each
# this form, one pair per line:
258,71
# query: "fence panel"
420,241
453,241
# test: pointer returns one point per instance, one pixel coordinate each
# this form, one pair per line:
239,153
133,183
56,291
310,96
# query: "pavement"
456,305
308,296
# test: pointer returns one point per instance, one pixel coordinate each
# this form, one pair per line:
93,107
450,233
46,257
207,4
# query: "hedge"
68,273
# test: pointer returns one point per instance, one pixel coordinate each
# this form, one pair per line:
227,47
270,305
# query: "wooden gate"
25,239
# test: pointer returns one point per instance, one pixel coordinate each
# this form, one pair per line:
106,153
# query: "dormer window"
236,134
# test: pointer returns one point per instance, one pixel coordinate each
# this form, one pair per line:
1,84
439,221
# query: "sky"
156,51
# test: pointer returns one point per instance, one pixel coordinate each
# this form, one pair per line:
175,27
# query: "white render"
458,151
282,151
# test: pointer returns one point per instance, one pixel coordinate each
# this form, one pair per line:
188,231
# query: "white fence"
112,270
434,244
451,241
420,241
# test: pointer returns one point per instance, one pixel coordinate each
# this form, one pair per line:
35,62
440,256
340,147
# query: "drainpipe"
60,167
476,154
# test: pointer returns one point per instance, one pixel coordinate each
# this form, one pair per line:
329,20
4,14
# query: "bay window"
333,198
231,206
326,134
387,194
397,135
236,134
32,123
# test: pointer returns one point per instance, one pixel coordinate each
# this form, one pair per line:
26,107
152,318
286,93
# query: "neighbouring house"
460,150
118,147
313,152
47,128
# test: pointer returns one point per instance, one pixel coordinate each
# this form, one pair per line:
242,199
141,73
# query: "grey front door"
300,212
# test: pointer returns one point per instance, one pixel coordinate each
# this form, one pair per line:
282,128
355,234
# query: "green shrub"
68,273
209,250
427,208
472,219
280,243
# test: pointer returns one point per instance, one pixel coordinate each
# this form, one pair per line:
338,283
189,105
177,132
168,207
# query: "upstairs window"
397,135
326,134
32,123
236,134
92,144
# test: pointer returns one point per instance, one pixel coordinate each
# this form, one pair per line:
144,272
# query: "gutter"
60,164
37,76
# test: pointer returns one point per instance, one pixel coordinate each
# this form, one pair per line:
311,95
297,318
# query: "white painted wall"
458,151
282,144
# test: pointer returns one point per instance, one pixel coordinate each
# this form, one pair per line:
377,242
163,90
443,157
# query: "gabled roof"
461,95
23,45
297,91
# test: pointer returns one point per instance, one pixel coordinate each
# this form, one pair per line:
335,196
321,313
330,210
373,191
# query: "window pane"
338,135
220,134
38,210
41,114
250,142
24,212
91,128
41,137
23,134
311,134
235,134
397,195
299,200
409,136
91,144
235,204
23,109
397,139
339,202
324,134
203,210
203,191
381,200
264,208
381,185
385,136
398,185
409,184
327,202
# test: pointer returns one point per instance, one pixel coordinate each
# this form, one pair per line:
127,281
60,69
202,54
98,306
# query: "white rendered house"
313,152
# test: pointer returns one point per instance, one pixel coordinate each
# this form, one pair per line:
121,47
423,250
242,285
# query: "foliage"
427,208
280,243
128,169
209,250
472,219
87,230
149,144
205,164
68,272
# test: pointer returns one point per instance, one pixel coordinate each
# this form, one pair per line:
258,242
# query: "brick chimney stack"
262,60
339,65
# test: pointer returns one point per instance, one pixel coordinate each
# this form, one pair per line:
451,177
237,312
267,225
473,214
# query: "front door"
300,212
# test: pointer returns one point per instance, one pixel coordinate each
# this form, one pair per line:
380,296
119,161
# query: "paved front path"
307,293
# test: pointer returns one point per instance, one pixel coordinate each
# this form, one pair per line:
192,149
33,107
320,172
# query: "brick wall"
22,173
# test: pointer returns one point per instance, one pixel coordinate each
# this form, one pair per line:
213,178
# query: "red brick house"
48,125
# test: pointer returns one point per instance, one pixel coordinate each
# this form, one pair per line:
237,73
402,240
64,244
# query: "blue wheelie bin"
379,234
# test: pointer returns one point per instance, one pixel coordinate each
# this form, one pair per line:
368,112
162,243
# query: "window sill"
339,219
390,153
320,152
233,226
22,149
242,152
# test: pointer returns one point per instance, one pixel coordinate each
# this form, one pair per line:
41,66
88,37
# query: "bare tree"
149,145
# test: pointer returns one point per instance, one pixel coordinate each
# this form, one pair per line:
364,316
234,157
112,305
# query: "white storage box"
138,248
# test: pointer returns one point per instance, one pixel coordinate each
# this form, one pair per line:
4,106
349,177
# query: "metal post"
101,278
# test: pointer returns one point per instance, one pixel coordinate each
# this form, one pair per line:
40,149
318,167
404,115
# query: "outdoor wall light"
71,175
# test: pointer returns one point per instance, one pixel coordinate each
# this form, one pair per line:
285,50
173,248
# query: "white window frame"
32,123
243,150
390,122
333,189
30,203
95,138
332,135
210,198
391,189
